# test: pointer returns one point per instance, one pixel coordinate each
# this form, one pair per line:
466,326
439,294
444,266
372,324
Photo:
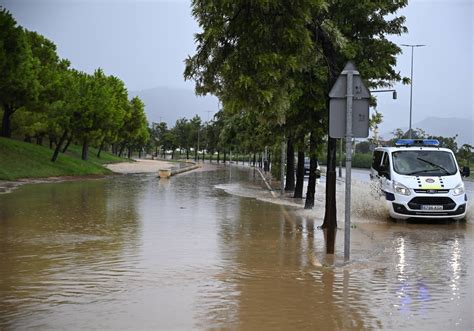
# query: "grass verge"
24,160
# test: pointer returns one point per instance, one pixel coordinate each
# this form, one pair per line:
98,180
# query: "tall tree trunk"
51,142
6,130
313,163
187,153
58,146
67,144
300,172
254,159
218,156
330,216
39,139
290,165
122,148
225,156
129,153
100,147
85,150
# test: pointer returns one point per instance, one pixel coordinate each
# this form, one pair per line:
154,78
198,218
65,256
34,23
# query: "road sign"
349,118
360,118
338,105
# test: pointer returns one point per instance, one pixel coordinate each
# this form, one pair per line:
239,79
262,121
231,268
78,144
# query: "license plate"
431,207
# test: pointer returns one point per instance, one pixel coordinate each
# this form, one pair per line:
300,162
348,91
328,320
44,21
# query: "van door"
375,183
385,173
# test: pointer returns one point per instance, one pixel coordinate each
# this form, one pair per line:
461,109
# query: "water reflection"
433,266
63,244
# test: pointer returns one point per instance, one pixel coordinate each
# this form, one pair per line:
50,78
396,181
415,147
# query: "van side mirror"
465,172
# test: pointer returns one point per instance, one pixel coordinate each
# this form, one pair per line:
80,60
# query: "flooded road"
208,249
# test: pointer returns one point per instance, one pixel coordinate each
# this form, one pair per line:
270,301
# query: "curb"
168,172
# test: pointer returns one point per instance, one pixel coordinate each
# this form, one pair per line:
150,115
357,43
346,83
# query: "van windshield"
422,162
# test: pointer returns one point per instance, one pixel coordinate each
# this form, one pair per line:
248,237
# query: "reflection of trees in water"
271,278
64,243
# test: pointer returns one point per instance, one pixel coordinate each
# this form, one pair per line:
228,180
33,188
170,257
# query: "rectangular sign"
360,118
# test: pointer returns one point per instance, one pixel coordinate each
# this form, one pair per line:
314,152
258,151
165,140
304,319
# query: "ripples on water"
206,250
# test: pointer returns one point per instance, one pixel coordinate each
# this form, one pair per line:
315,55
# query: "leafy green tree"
169,142
253,55
446,142
157,133
33,120
134,133
194,135
113,117
65,110
465,154
19,84
182,132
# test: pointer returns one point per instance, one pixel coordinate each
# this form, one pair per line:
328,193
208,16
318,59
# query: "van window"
386,165
376,159
424,162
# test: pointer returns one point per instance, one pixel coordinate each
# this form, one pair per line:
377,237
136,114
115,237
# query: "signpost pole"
347,218
349,101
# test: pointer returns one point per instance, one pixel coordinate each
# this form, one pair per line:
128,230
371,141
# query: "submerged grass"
25,160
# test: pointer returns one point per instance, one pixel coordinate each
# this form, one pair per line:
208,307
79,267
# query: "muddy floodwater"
209,249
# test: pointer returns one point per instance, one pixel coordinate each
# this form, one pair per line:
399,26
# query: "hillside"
168,104
24,160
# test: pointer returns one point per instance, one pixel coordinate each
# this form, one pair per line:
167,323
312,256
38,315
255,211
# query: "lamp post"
411,85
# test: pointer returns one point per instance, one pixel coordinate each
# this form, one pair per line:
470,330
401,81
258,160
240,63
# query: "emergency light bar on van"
417,142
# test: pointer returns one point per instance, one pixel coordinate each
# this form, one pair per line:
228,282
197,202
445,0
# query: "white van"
419,180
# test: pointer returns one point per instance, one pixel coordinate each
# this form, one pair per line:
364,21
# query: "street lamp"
411,84
394,92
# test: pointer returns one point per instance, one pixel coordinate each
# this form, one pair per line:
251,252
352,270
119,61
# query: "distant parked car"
306,168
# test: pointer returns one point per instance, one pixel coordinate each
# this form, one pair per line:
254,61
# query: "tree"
19,85
465,154
446,142
358,34
134,133
194,135
258,56
65,110
113,118
157,133
169,142
182,130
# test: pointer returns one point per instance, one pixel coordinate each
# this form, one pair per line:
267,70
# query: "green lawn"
25,160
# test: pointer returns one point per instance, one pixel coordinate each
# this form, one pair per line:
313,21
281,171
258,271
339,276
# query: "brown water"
135,252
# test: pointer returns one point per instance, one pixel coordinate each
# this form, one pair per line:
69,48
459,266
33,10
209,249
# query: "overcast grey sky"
145,42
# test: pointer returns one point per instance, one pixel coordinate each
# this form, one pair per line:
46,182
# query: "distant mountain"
168,104
447,127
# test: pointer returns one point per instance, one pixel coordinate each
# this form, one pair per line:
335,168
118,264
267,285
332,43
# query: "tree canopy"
40,95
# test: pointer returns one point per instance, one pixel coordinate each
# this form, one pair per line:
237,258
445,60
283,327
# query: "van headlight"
458,190
400,188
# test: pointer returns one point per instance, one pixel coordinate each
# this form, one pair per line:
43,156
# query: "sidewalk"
140,166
